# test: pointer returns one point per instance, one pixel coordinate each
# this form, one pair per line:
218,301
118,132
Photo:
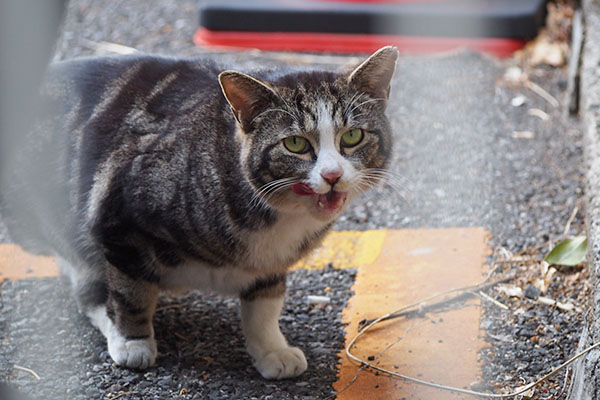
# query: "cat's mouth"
331,201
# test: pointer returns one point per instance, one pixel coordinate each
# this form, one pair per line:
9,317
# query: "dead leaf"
544,51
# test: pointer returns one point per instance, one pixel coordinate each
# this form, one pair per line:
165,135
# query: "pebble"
518,101
532,292
318,300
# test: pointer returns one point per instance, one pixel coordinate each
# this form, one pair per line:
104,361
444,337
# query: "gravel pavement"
465,156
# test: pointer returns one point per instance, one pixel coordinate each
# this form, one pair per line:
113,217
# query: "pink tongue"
332,200
302,189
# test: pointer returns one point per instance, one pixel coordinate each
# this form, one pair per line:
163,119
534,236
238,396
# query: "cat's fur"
156,173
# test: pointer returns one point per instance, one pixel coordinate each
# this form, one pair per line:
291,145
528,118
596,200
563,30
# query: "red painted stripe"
351,43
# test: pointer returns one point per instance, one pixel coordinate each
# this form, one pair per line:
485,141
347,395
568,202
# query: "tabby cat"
154,173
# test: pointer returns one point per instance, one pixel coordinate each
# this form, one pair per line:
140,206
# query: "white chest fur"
275,247
268,251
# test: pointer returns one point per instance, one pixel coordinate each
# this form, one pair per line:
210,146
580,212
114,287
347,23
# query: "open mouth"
331,201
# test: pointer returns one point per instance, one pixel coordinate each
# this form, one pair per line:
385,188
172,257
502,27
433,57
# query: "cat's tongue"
331,201
302,189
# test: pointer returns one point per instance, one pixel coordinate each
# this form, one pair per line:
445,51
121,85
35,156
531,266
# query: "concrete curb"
586,379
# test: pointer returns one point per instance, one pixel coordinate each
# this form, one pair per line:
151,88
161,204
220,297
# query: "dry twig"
30,371
423,307
491,300
570,220
537,89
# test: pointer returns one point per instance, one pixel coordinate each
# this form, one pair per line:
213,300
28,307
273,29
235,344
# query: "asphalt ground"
464,156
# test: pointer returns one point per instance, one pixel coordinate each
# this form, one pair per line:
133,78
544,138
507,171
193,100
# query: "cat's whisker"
295,117
265,198
276,190
385,182
269,189
275,110
382,175
389,176
365,102
362,187
257,199
380,178
278,183
353,99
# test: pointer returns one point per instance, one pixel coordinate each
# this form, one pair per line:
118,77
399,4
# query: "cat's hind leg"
126,320
132,353
120,307
261,306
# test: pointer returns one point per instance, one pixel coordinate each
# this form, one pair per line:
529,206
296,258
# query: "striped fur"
152,173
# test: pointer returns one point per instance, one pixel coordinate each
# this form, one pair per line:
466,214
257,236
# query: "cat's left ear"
246,95
374,75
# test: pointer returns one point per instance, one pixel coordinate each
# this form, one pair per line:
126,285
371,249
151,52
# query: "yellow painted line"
15,263
442,348
345,249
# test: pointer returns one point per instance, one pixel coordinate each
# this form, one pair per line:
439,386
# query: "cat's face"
312,141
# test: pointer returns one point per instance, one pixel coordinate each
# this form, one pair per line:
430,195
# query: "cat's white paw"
283,363
137,353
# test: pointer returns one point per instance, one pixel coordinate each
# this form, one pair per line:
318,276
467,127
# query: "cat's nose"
332,176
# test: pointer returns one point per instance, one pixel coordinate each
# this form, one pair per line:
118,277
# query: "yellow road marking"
345,249
15,263
442,348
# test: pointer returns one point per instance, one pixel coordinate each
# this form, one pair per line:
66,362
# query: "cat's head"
314,140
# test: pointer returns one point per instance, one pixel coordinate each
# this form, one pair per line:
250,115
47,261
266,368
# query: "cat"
152,173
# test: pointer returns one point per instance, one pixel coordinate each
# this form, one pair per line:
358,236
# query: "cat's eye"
352,137
296,144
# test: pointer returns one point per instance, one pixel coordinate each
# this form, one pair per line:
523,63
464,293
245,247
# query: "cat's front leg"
126,320
261,306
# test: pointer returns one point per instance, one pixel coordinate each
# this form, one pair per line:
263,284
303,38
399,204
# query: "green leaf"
569,252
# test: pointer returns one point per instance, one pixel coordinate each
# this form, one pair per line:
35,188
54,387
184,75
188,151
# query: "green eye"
296,144
352,137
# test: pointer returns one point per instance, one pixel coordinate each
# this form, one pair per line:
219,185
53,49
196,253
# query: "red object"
302,189
351,43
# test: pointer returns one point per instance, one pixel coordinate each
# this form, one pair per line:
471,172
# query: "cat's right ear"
246,95
374,75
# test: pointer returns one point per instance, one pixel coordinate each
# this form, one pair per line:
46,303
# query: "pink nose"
332,176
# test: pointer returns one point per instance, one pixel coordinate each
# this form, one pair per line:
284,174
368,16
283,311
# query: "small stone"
318,300
531,292
518,101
